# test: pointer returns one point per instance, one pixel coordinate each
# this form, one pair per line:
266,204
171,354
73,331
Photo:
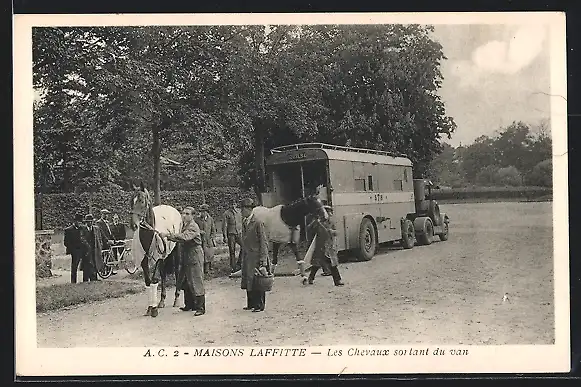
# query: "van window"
359,184
398,185
370,183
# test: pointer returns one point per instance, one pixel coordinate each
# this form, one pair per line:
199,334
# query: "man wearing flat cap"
191,276
325,252
105,228
232,232
75,244
208,232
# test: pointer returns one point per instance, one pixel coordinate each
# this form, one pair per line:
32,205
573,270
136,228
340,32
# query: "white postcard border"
33,361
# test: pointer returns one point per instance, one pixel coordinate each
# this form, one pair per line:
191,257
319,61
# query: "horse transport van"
374,196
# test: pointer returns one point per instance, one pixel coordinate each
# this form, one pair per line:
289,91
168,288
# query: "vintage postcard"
241,194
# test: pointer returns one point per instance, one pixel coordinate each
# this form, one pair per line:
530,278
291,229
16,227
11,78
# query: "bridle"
143,223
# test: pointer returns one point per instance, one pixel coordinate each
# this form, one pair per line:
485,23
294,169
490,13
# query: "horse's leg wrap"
148,293
154,300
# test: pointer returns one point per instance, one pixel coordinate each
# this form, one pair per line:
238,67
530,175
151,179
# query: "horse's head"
141,205
315,205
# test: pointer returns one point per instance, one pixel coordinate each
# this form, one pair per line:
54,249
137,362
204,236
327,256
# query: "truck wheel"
434,213
426,235
444,236
407,234
367,240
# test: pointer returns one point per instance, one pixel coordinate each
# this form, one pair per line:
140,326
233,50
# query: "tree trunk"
260,168
156,151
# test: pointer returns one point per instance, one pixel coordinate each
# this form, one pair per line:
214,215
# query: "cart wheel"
130,265
107,265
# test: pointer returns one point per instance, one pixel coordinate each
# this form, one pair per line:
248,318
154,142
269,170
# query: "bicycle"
110,262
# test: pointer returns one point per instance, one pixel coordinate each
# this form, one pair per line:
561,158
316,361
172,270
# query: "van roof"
345,153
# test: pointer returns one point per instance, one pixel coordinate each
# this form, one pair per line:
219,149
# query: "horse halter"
143,213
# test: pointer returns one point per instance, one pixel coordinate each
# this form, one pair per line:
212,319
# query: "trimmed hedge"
527,193
58,210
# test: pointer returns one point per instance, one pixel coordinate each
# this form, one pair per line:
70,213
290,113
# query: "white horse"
155,255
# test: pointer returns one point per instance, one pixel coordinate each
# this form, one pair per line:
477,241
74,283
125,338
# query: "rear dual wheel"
367,240
426,234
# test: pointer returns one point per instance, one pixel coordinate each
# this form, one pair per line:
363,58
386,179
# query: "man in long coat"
254,255
191,276
325,252
75,245
93,262
208,231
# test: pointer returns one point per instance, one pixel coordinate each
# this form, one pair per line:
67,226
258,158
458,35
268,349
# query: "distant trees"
517,155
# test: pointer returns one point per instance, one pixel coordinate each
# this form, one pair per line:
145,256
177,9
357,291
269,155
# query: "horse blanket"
278,231
167,219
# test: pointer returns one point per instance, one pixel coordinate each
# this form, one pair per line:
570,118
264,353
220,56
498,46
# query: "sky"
494,75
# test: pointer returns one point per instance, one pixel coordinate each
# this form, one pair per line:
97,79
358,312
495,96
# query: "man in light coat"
208,231
231,232
191,276
254,256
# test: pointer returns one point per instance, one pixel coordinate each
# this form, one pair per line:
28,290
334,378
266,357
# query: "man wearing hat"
105,227
208,232
94,258
191,276
75,244
325,252
254,255
231,232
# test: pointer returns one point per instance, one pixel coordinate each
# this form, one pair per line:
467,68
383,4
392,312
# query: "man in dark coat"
208,231
118,231
94,257
191,276
75,245
254,256
118,234
231,232
105,227
325,252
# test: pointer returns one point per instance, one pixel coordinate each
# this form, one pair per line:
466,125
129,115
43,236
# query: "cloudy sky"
495,74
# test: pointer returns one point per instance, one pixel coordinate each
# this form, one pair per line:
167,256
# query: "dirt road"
450,293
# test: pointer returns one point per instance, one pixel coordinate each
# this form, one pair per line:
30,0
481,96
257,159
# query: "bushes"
509,176
486,176
542,174
58,209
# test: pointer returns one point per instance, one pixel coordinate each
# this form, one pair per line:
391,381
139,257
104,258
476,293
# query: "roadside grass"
62,295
